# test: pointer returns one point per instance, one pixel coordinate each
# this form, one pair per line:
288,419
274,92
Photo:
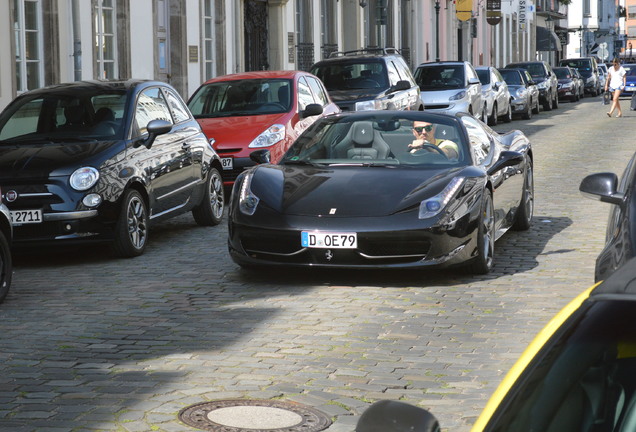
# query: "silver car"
523,90
495,92
450,87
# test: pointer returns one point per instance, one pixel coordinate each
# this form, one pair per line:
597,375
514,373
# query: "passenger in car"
424,133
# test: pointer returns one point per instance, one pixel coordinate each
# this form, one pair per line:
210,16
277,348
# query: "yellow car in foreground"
578,374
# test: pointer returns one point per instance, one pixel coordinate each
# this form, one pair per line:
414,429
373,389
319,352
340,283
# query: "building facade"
185,42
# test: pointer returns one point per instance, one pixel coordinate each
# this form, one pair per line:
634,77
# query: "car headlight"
568,85
458,96
589,80
433,206
271,136
84,178
543,85
247,200
374,104
521,93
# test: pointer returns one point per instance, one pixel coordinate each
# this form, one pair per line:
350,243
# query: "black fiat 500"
98,161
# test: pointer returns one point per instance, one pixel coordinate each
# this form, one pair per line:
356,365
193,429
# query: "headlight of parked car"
520,93
247,200
374,104
568,85
271,136
458,96
84,178
433,206
589,80
543,85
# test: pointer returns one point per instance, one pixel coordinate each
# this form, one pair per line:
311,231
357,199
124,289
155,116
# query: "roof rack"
385,51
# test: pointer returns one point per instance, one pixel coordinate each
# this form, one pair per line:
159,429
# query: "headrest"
74,114
104,114
362,133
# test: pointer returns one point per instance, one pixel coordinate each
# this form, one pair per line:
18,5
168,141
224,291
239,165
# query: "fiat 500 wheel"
210,211
131,232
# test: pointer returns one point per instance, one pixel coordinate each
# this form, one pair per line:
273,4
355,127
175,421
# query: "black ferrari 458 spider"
384,189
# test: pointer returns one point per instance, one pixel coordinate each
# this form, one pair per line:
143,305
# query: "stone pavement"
92,343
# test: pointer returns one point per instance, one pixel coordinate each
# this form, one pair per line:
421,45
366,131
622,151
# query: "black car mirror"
396,416
311,110
602,186
400,86
154,128
261,156
506,159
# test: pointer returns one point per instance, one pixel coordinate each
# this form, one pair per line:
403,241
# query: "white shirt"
616,77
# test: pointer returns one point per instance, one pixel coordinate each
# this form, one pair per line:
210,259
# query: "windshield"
580,64
69,115
581,378
511,77
242,98
484,76
536,70
352,75
440,77
381,139
630,69
562,73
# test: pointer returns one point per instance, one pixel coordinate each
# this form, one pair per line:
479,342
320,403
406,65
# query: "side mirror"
506,159
154,128
261,156
532,82
400,86
472,81
311,110
395,416
602,186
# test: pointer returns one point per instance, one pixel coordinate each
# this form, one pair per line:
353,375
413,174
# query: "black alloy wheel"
523,217
6,267
210,211
131,231
484,261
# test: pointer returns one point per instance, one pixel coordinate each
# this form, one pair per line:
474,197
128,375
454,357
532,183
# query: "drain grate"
237,415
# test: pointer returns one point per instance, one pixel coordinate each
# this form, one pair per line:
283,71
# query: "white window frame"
101,37
208,59
21,63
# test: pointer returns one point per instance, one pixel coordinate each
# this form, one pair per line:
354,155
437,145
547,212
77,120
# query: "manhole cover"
254,415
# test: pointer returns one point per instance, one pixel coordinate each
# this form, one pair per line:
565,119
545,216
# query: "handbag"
606,98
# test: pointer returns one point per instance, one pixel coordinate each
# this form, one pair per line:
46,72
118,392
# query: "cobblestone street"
93,343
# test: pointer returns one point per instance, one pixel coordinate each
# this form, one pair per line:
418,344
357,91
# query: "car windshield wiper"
299,162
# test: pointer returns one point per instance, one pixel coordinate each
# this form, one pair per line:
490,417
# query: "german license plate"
328,240
227,163
19,217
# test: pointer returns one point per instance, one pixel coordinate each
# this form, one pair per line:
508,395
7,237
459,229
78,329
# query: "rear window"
351,75
440,77
580,64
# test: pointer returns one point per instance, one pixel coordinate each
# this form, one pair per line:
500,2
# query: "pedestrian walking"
616,85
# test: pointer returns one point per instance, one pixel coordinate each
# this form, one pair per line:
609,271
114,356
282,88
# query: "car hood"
355,94
230,132
438,96
346,191
53,159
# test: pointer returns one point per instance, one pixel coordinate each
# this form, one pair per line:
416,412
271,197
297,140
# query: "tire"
523,217
6,267
536,108
131,231
547,105
492,120
528,114
484,261
210,211
484,114
555,101
508,117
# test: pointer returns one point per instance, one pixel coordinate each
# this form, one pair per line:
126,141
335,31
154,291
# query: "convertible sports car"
359,190
576,375
620,237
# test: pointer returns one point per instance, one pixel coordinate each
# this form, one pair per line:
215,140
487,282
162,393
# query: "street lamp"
437,30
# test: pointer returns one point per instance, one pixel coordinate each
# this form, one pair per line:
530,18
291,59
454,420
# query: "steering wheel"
419,150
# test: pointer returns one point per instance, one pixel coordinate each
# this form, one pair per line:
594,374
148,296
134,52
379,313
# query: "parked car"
545,79
243,112
523,91
588,68
369,79
355,191
568,84
495,92
602,76
450,88
581,81
6,263
98,161
576,375
620,238
630,80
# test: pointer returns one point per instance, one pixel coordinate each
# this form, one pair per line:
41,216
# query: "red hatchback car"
241,113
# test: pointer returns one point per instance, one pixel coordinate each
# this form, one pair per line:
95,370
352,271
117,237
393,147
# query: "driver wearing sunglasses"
424,133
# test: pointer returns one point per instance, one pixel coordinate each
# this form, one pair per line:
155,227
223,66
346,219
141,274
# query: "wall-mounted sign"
523,15
464,9
493,12
193,53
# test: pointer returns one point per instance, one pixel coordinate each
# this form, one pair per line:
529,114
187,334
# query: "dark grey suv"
369,79
545,79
